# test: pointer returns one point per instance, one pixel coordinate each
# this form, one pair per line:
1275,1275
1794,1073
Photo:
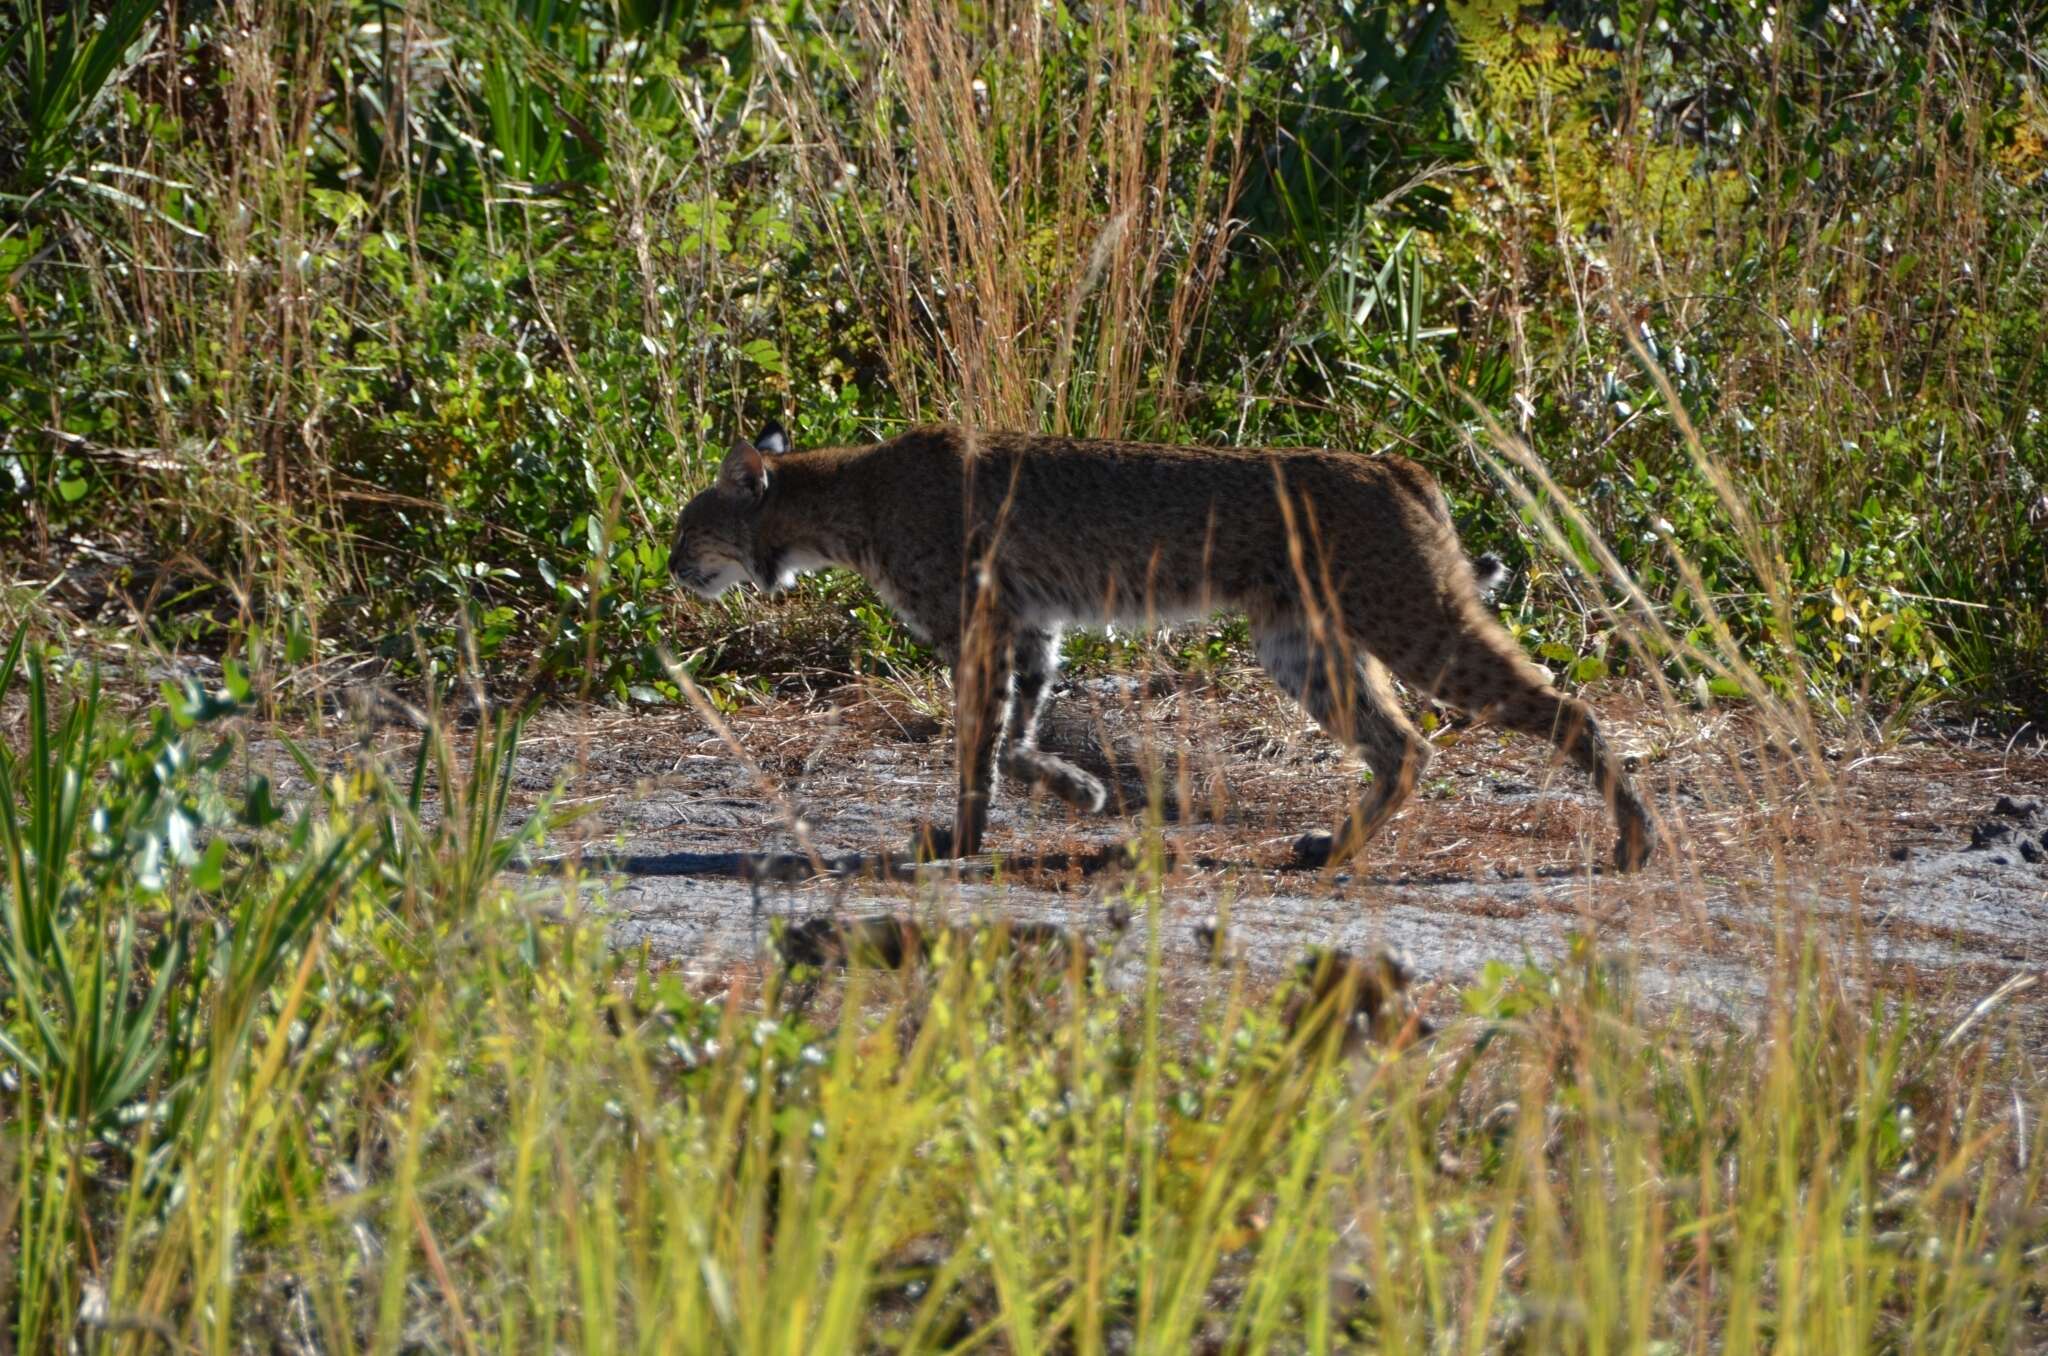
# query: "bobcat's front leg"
981,696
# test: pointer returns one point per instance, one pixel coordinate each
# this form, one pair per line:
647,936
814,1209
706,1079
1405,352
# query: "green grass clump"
331,1078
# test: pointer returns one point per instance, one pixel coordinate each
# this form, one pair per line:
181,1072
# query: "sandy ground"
693,849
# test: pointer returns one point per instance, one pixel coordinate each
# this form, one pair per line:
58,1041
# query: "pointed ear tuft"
744,471
772,439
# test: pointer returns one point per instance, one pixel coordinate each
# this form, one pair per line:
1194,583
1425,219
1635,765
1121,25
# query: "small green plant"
63,61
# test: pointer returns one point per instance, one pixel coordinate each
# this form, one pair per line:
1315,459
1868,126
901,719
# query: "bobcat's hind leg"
1035,662
1569,724
1478,667
1353,700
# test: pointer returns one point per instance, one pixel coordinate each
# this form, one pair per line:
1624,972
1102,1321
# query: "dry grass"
1036,268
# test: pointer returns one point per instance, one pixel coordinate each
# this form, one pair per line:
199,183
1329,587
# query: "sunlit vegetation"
386,338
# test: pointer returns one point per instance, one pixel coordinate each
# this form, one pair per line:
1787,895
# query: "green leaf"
257,809
72,490
339,207
178,828
209,874
764,355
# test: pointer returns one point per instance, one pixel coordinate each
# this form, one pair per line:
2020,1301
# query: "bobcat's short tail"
1489,572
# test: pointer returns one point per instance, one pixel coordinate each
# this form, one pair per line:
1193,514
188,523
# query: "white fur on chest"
793,564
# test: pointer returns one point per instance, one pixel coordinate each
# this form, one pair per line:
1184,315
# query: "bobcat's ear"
744,472
772,440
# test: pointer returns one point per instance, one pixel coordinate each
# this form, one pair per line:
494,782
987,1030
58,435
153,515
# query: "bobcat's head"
716,543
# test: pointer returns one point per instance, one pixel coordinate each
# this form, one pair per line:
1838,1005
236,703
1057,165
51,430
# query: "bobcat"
986,543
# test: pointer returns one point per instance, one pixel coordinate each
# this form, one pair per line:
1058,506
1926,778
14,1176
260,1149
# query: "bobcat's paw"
941,843
1632,849
1320,851
1313,850
1082,790
932,843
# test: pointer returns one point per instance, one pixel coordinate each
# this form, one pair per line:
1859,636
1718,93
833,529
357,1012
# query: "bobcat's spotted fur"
986,543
